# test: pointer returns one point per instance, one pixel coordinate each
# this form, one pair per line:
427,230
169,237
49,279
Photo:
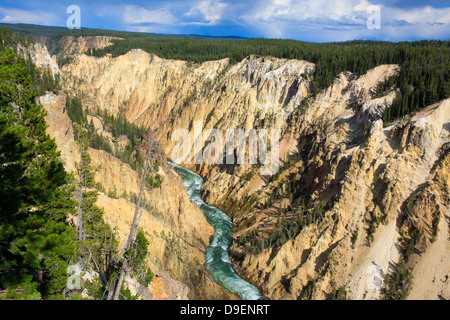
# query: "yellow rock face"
176,229
366,170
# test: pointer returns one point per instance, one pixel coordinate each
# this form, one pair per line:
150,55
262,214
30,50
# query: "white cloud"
295,10
136,15
422,15
342,20
310,20
9,15
210,11
362,5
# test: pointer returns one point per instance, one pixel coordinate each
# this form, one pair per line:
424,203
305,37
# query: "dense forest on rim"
424,77
40,201
36,241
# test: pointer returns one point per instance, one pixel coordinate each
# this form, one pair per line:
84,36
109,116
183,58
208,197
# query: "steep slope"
64,46
334,215
38,53
176,228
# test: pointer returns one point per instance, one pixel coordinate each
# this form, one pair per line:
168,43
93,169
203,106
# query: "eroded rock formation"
364,171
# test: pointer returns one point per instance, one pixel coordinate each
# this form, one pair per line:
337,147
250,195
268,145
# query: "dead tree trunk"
133,228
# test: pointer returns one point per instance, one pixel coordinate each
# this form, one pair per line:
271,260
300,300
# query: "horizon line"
228,37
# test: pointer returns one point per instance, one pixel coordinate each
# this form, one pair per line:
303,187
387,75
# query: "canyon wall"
337,151
70,45
176,228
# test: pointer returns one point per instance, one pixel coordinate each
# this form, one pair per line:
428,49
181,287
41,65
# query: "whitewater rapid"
217,257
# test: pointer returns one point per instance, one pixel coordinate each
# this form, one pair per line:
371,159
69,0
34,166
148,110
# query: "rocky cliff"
177,229
69,45
39,55
351,174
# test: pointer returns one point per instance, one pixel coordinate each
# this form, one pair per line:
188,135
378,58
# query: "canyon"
377,181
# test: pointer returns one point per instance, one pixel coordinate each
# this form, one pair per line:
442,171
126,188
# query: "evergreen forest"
50,223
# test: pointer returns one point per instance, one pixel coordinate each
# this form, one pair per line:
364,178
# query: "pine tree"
97,244
136,257
36,241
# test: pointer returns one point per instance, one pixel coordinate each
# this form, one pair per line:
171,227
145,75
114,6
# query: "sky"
307,20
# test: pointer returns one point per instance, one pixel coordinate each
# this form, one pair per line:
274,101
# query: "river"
217,257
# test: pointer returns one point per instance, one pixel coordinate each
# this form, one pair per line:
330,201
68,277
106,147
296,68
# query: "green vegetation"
97,240
36,241
415,237
49,219
136,259
435,224
373,222
58,32
284,229
354,238
37,196
13,39
97,245
339,294
301,211
398,284
153,182
117,126
424,65
42,80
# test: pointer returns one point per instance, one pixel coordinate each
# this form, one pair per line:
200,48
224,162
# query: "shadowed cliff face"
347,176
